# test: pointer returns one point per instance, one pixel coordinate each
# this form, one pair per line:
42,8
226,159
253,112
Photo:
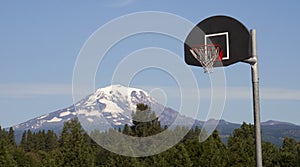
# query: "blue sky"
40,41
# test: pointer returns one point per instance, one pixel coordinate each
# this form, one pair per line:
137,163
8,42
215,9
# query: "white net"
206,55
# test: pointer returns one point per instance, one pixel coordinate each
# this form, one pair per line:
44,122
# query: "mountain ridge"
113,105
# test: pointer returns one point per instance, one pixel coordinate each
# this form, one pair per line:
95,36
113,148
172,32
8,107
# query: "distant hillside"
275,131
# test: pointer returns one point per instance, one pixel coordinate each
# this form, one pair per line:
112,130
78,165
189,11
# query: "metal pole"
256,105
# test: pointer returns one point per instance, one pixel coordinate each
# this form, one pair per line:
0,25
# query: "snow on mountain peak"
118,97
122,92
113,104
119,88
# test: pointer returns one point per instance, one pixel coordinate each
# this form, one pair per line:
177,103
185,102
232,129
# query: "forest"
74,147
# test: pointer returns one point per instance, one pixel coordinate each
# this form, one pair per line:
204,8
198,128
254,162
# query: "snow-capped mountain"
108,106
112,106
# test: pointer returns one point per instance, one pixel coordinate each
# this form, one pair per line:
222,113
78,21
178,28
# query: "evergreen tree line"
73,147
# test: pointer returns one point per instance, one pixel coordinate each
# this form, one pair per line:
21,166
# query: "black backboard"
226,31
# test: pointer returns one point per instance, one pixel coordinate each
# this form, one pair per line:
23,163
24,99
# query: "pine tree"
32,159
298,154
56,158
270,154
115,160
242,147
51,141
11,137
126,130
288,153
145,122
6,159
194,147
75,148
23,143
39,140
19,156
175,156
30,141
214,152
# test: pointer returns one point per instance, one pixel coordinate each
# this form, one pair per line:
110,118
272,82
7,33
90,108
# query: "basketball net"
207,55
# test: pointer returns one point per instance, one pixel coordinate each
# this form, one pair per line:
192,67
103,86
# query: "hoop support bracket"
252,60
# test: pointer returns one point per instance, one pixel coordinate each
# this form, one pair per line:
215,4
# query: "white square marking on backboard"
219,34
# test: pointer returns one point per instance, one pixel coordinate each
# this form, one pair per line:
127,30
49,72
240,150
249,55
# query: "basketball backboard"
227,32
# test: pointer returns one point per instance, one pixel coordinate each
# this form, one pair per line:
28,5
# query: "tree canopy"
74,147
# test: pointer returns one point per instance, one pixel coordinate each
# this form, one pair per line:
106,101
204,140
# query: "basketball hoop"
207,55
